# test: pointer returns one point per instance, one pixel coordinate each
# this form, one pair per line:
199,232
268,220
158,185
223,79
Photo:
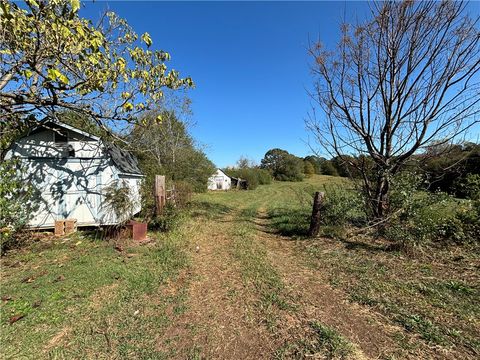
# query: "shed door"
219,182
80,200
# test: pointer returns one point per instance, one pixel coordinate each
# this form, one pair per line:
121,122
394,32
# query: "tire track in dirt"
318,301
218,322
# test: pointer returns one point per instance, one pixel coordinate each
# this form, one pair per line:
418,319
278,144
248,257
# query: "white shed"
70,169
219,181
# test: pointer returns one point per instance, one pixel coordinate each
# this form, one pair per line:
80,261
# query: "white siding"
219,181
70,187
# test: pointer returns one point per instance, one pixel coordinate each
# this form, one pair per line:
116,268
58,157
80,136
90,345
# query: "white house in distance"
219,181
70,169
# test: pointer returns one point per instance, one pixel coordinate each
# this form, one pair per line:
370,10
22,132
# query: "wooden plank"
316,213
159,193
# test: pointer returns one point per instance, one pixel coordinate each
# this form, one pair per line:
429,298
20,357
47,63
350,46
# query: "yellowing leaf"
147,39
159,119
125,95
63,79
75,5
32,3
53,74
128,106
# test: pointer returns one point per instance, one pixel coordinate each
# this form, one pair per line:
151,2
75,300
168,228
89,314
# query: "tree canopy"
282,165
52,59
167,148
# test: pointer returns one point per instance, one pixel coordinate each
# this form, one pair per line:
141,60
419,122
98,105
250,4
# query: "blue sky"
249,63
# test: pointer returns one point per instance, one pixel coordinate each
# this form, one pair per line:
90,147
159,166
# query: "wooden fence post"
315,220
159,193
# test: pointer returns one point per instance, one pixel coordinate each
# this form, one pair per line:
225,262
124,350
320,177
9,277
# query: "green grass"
323,342
435,295
81,298
432,296
256,270
87,300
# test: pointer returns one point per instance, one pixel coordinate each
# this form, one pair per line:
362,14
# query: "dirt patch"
103,295
58,339
218,321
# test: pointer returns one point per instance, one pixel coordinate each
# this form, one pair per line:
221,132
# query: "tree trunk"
380,203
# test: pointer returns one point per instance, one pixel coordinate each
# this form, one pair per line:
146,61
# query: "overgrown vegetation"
397,82
16,203
432,295
252,174
119,200
166,148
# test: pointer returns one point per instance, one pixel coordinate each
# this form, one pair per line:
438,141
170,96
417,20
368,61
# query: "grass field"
239,279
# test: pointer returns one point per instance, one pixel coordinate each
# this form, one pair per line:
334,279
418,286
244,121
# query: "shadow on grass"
290,222
208,209
366,246
295,223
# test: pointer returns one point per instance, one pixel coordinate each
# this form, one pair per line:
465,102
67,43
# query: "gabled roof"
223,172
123,160
55,123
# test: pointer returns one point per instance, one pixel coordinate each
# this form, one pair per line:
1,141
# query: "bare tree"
401,80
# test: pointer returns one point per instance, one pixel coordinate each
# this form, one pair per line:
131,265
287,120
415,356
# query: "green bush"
342,206
119,200
169,220
264,177
253,175
422,221
468,187
420,218
16,203
327,168
308,169
464,227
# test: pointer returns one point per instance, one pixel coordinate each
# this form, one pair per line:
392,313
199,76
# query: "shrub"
464,227
404,189
169,220
264,177
16,203
119,200
327,168
253,175
420,217
181,193
342,206
421,221
468,187
308,168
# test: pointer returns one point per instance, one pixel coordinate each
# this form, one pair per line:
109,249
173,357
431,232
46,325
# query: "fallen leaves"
15,318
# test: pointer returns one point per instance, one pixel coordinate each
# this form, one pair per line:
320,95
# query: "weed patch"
323,341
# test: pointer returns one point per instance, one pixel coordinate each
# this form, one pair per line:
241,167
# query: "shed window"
71,151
